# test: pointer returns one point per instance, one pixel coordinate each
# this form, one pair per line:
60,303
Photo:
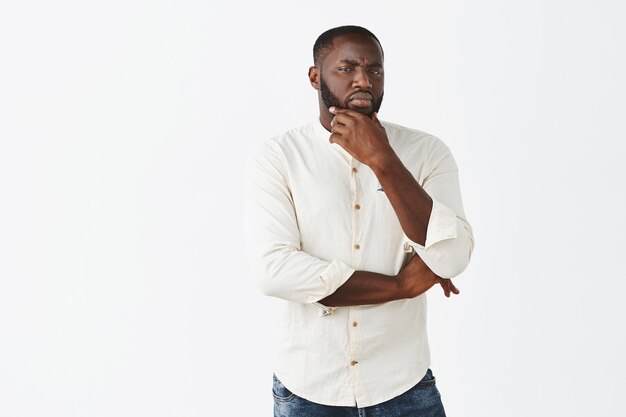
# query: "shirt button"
354,169
354,324
353,363
357,206
357,246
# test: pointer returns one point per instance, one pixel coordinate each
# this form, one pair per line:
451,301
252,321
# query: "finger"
343,119
444,286
346,114
339,129
452,287
340,110
337,121
336,138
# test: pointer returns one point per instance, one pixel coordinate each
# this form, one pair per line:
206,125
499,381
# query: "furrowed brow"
349,62
357,63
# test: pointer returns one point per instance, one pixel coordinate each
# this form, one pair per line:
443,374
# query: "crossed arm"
366,140
290,273
372,288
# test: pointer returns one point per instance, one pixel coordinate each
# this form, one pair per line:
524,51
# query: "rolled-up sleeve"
449,238
273,239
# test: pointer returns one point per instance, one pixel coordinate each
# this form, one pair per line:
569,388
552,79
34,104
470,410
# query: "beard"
331,100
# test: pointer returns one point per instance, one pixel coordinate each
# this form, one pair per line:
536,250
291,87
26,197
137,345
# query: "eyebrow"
357,63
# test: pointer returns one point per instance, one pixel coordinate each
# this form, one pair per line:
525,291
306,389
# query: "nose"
361,79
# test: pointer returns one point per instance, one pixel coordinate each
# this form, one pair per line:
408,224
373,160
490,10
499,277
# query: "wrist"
403,286
411,286
384,163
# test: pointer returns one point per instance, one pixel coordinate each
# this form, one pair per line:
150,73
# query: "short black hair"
324,42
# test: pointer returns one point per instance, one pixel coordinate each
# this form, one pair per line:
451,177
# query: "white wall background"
122,286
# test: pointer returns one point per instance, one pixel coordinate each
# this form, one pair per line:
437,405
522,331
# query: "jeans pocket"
280,392
428,380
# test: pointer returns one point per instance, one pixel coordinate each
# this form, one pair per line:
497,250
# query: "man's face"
351,75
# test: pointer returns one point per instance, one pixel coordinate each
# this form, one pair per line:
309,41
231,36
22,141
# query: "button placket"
354,335
355,188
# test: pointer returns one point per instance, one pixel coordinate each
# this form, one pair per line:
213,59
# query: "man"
351,220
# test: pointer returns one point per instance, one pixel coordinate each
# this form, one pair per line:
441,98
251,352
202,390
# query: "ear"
314,77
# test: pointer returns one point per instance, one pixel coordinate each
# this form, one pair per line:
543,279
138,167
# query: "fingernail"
332,109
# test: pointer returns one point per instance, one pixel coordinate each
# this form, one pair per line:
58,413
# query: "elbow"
267,289
452,263
270,275
267,282
270,284
451,268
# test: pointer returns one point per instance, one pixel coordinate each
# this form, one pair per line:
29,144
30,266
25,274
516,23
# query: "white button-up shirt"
314,215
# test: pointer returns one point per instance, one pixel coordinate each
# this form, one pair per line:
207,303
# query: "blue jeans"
423,400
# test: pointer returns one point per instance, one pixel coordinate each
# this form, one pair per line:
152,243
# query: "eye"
375,71
345,69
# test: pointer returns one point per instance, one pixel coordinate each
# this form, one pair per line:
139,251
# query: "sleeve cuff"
442,225
332,278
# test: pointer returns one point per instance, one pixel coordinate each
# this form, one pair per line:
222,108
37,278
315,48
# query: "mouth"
361,99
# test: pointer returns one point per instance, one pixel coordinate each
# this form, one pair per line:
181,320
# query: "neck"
325,116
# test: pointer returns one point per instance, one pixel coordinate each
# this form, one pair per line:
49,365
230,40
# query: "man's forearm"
365,139
364,287
409,200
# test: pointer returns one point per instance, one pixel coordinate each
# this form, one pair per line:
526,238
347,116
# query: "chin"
363,110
